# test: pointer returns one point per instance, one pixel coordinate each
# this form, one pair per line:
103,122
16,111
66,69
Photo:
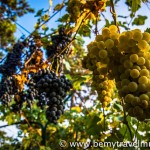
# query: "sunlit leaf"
58,7
39,12
67,65
76,108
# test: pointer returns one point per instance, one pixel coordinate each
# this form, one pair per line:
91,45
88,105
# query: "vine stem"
96,26
125,120
113,12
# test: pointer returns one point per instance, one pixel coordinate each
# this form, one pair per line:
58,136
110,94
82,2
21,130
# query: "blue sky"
28,21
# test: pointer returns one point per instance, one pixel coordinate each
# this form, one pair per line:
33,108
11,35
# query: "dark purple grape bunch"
60,43
51,92
13,60
7,90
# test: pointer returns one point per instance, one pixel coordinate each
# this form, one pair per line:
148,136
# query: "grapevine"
43,86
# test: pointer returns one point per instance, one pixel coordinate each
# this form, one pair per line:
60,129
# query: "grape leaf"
139,20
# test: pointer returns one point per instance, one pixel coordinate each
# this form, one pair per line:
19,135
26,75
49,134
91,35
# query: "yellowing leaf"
44,26
45,17
39,132
76,108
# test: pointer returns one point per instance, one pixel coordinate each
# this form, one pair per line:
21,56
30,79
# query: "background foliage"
80,122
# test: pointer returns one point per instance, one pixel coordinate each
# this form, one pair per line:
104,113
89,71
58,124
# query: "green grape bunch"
121,60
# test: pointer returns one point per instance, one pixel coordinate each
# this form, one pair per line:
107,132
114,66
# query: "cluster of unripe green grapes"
125,59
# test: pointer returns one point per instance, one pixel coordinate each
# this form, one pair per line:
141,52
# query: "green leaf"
93,127
64,18
39,13
58,7
139,20
135,5
85,31
9,118
79,80
147,30
117,106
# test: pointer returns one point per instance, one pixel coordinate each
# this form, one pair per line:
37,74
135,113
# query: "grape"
135,101
101,76
123,39
129,34
105,32
109,43
134,73
92,55
125,82
129,98
148,94
137,36
89,46
94,50
131,43
143,80
142,44
114,36
134,58
141,61
125,89
101,45
137,110
132,86
136,67
144,104
144,97
113,28
147,64
104,92
99,38
146,36
103,54
142,87
128,64
144,72
134,49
